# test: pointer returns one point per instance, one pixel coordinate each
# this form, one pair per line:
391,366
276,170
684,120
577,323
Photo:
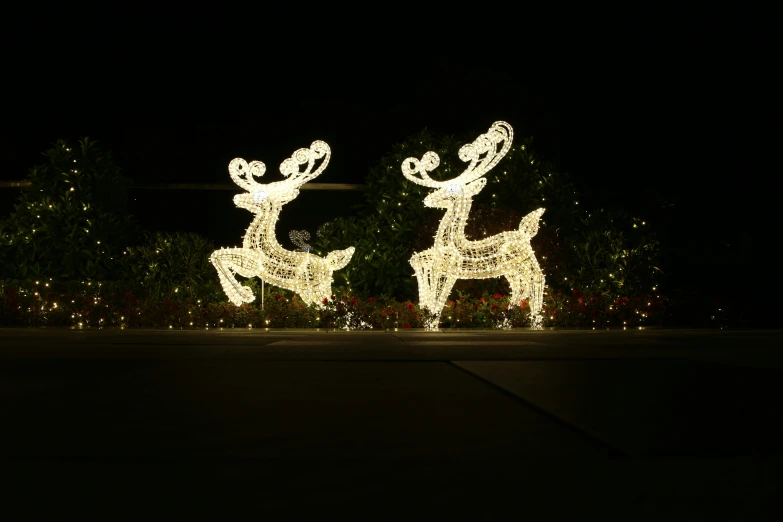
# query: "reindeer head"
483,154
260,196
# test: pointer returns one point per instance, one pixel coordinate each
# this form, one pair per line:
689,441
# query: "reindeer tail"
337,259
529,223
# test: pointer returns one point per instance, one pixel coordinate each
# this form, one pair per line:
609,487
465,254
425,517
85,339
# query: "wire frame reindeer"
261,255
453,257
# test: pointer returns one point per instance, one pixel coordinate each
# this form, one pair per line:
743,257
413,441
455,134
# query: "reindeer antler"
412,166
243,173
290,167
499,133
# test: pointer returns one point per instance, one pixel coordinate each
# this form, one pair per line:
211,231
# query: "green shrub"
71,222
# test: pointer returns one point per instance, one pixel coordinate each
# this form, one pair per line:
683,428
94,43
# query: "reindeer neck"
452,226
263,225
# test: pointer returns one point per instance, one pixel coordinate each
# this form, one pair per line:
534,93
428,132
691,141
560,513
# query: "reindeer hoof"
243,295
247,295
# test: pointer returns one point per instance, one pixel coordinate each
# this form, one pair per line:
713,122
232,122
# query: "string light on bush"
261,255
453,256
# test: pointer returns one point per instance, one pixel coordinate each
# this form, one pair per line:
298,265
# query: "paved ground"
642,425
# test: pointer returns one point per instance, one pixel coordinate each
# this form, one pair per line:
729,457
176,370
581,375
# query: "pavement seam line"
614,450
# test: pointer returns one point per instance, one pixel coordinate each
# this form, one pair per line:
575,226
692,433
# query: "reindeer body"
453,256
261,255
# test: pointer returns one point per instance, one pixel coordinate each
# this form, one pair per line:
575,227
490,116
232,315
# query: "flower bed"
89,304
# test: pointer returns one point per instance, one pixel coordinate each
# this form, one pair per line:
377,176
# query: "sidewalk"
646,418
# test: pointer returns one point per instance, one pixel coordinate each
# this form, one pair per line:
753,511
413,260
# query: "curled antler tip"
320,147
430,160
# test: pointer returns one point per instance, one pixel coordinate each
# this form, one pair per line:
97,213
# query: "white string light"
453,256
298,237
261,255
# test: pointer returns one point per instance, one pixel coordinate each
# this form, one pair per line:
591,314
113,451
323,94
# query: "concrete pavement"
662,421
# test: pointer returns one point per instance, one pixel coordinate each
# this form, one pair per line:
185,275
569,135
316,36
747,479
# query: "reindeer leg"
518,293
229,261
435,286
519,290
531,289
422,275
422,269
536,301
443,286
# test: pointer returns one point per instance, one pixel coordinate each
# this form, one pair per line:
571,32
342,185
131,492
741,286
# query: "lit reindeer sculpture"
261,255
453,256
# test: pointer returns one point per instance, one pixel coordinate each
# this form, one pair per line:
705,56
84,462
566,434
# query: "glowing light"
298,237
261,255
453,257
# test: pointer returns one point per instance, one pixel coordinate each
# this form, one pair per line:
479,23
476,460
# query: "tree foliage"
71,222
171,265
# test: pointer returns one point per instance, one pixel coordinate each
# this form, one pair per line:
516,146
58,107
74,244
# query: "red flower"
325,301
383,312
371,300
494,307
560,294
497,296
577,293
406,325
410,307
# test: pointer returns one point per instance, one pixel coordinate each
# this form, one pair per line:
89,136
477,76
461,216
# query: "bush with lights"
86,304
71,222
601,268
174,265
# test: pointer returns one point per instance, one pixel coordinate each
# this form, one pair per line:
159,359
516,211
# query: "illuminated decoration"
453,256
261,255
298,237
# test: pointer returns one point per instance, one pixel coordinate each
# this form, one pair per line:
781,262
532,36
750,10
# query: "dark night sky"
654,136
